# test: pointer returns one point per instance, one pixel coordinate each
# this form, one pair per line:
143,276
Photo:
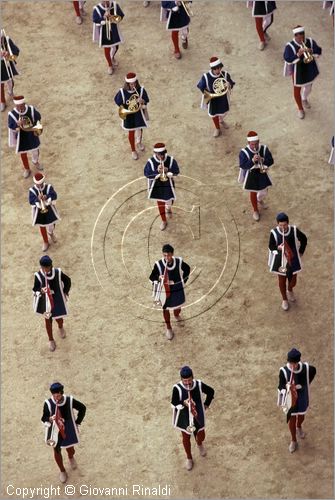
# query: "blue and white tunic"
296,240
136,120
178,273
157,189
262,9
59,284
51,216
303,74
218,106
302,378
22,141
5,74
251,176
66,407
174,15
180,412
100,33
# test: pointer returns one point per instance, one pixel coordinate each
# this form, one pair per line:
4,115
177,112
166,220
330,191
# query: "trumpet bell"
282,269
191,428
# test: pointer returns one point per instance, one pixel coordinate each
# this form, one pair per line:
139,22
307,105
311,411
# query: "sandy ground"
115,358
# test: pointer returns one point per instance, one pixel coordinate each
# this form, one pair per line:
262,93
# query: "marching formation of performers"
170,274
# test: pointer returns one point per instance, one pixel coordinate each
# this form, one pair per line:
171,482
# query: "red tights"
3,98
216,120
199,438
59,459
43,231
297,95
175,41
167,318
282,285
259,28
48,326
161,208
253,199
131,138
293,423
76,8
25,161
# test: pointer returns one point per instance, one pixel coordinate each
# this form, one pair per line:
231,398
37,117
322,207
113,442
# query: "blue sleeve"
118,98
14,48
289,55
11,123
145,96
268,160
148,171
52,193
97,18
316,49
32,198
174,167
202,84
119,11
245,163
37,115
232,83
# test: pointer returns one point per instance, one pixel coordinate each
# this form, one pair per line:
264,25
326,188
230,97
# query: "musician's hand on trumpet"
171,282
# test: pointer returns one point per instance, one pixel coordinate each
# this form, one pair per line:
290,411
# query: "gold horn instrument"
163,177
191,427
133,106
187,7
27,126
220,87
308,57
44,209
262,167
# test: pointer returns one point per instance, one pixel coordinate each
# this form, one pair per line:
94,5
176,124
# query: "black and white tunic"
251,176
59,284
133,121
66,408
296,240
302,378
217,106
178,273
51,216
262,9
157,189
180,412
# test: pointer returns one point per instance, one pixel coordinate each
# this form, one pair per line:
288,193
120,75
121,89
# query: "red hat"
159,147
38,178
214,61
19,99
131,78
252,136
298,29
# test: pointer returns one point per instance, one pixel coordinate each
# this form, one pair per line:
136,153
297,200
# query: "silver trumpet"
282,268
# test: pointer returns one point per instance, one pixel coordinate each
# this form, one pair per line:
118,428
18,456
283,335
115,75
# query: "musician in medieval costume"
300,62
294,393
169,275
132,100
188,411
331,160
9,54
177,19
42,198
62,425
51,292
160,171
287,244
216,86
255,160
106,31
20,136
262,12
78,6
